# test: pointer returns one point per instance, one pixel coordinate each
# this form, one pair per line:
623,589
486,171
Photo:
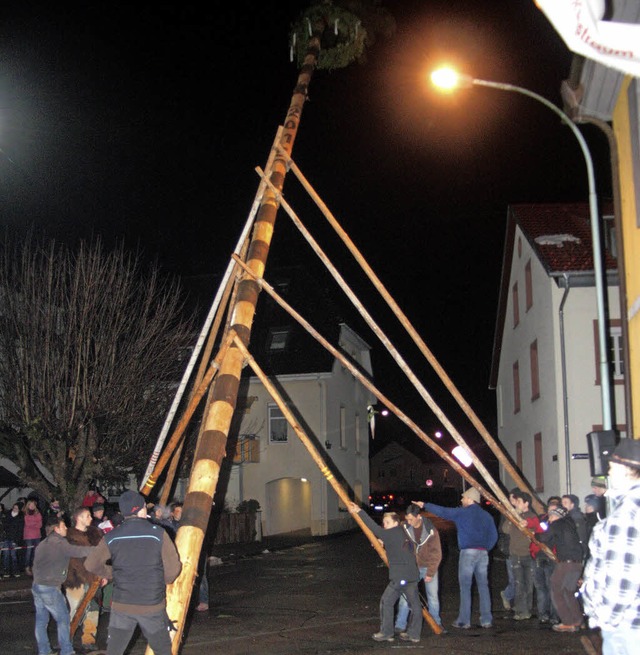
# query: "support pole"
322,465
505,509
495,448
400,361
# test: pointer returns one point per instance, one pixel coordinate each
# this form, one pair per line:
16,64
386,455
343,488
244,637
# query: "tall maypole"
326,35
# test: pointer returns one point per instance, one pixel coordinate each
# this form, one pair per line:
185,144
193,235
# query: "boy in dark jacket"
403,575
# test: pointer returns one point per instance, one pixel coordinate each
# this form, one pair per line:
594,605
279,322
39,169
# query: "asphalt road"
316,598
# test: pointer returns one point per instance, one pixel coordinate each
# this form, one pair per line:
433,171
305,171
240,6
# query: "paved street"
319,597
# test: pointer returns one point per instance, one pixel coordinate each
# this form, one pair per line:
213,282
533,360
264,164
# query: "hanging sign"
579,23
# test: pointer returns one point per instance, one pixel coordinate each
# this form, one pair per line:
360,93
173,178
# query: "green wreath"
342,40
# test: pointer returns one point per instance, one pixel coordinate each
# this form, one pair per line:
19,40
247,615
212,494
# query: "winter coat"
32,525
14,526
77,575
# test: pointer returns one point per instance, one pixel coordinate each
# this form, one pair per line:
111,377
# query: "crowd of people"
577,566
51,546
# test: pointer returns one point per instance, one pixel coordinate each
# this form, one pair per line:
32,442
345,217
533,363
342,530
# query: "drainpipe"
617,212
565,396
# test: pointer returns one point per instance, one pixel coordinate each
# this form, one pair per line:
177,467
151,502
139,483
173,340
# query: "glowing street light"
448,80
462,456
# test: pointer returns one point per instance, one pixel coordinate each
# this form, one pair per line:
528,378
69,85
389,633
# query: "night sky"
143,122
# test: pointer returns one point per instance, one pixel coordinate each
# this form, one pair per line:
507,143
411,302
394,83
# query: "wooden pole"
212,445
82,608
417,339
505,509
495,487
184,421
322,464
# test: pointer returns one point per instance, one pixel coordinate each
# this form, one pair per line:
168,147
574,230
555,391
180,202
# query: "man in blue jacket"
477,535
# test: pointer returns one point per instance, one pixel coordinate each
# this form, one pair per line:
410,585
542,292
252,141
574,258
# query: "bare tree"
90,344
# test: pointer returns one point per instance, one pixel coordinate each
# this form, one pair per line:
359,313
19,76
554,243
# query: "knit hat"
599,481
627,452
131,502
472,494
561,512
592,501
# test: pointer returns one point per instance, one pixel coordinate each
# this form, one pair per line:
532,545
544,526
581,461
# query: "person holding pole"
144,561
426,540
50,563
477,535
403,575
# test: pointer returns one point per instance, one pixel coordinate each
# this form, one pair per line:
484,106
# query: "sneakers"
506,603
461,626
543,619
404,636
561,627
380,636
202,607
486,626
522,617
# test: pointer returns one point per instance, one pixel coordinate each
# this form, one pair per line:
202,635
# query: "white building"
271,465
546,356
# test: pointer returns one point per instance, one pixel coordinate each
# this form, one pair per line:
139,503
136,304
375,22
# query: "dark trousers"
154,627
387,606
564,584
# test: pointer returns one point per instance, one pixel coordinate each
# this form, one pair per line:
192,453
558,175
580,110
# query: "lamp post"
448,80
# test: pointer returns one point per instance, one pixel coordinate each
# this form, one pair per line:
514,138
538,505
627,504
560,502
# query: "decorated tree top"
344,30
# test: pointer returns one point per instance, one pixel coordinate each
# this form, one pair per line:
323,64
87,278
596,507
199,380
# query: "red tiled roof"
567,228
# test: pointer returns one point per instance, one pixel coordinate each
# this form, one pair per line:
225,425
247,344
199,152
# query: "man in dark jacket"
426,540
50,564
143,561
562,537
571,503
403,575
79,579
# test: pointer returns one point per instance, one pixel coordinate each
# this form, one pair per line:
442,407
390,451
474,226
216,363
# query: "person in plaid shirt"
611,588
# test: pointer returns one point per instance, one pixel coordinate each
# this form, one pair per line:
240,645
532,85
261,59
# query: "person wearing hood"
611,587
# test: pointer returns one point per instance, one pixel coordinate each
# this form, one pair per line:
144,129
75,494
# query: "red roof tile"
561,235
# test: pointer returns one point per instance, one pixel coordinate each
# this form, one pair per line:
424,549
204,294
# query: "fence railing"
237,528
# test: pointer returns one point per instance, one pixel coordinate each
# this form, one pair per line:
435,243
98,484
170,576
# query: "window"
537,448
528,286
247,449
516,305
277,425
535,376
343,427
357,435
278,340
616,352
519,455
516,388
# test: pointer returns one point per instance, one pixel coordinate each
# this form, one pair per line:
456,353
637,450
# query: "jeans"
31,550
542,582
474,563
433,603
387,604
509,591
620,641
9,557
49,601
523,575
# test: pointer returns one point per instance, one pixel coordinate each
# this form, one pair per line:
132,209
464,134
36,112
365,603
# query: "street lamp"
448,80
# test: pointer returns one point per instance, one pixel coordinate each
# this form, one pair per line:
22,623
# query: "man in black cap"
143,561
611,588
